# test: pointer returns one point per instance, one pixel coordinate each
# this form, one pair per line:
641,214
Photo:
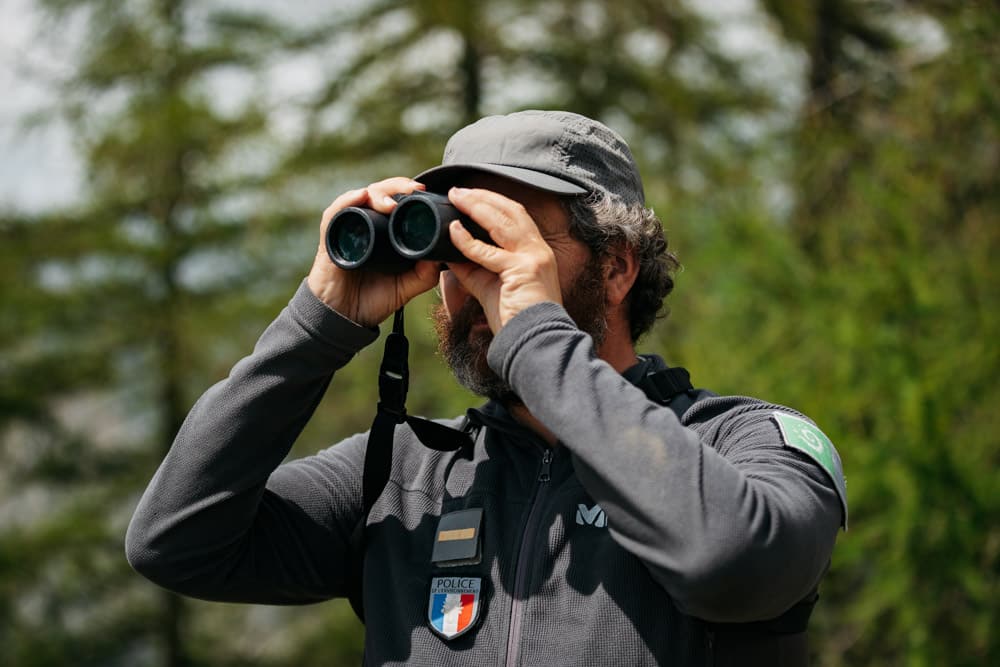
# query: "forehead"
545,208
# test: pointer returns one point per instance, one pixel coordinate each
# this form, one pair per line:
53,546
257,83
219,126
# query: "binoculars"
360,238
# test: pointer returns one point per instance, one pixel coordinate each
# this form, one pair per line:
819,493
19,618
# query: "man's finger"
349,198
505,220
488,256
483,285
422,277
380,194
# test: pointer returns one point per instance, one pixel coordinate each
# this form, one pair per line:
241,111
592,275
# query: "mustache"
470,312
454,329
465,352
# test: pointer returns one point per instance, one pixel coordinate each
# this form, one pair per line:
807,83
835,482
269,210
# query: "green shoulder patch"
800,434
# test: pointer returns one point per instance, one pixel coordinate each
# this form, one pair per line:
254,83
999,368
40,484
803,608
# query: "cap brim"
447,175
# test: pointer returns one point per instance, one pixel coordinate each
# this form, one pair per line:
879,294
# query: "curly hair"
603,223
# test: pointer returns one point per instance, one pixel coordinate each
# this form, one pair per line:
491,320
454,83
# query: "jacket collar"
493,414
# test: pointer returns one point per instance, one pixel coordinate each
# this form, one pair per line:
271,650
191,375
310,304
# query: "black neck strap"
393,384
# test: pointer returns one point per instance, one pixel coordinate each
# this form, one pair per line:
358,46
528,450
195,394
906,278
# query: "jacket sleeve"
735,525
220,519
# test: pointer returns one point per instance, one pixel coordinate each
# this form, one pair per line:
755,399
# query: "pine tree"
118,307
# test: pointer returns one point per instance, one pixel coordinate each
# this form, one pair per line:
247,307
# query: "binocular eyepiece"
417,229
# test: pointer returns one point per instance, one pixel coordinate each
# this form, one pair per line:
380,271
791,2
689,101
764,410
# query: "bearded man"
600,511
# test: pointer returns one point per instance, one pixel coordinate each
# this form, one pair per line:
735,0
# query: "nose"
453,294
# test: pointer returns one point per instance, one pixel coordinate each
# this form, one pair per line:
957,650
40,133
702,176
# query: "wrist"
328,323
331,295
527,300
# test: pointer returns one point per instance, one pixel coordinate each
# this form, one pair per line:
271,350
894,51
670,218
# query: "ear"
621,267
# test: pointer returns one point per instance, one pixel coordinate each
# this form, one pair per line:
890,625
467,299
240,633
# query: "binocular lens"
352,238
416,227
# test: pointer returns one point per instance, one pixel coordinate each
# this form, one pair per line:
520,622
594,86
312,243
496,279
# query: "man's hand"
518,272
363,296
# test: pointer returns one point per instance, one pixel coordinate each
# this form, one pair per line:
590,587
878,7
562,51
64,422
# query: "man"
594,519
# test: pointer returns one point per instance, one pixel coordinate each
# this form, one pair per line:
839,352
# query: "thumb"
484,286
474,279
422,277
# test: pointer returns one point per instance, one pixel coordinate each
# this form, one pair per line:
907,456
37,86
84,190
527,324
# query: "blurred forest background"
826,169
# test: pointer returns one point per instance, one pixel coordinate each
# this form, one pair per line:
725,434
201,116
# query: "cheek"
571,262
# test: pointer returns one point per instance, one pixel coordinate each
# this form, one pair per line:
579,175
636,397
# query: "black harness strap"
779,642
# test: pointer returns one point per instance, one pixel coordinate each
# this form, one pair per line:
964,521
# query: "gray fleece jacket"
620,546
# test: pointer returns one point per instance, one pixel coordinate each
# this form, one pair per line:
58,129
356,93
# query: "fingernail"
388,201
461,192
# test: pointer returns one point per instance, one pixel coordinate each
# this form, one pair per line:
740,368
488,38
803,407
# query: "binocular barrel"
417,229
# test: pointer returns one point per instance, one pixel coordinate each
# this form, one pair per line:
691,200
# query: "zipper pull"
545,475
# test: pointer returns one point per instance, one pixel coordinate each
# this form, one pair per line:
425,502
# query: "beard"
464,349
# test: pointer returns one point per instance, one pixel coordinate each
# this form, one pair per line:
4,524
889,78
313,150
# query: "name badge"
458,540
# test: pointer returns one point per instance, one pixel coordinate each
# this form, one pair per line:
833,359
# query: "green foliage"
838,260
108,338
909,291
873,308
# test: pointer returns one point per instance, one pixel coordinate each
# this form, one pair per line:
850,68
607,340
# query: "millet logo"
592,516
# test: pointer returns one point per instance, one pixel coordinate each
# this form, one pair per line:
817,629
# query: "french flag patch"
454,605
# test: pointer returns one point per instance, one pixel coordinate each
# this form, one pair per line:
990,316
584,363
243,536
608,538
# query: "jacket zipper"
524,562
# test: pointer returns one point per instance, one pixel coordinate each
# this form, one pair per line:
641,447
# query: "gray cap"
556,151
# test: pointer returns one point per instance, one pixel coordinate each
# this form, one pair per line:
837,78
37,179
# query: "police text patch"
454,605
